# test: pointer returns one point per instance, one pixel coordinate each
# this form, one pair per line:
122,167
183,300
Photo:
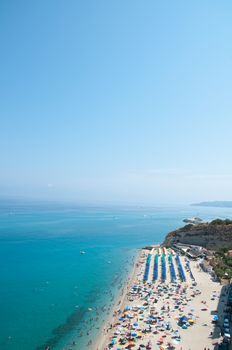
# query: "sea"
63,266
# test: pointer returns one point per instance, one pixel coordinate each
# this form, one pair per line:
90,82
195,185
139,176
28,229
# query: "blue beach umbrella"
183,319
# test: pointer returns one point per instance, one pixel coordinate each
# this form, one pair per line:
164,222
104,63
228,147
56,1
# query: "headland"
173,300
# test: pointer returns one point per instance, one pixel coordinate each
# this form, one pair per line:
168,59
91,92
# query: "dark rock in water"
194,221
72,321
147,248
214,235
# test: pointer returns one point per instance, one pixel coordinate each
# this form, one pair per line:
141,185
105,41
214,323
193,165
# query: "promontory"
214,235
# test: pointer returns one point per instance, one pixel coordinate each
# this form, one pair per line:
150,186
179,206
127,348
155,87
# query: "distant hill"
221,204
214,235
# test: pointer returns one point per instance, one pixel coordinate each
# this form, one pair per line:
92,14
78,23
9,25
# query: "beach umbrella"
183,319
135,325
131,345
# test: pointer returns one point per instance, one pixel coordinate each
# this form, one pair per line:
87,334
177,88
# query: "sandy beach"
119,305
172,308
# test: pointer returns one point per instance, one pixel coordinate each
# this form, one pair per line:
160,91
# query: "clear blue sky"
116,101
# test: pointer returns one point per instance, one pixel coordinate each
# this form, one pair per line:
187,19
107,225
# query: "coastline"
200,299
65,290
119,303
88,332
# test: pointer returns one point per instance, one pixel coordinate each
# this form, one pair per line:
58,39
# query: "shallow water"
47,286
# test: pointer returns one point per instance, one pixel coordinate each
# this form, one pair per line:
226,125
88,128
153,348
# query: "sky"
116,101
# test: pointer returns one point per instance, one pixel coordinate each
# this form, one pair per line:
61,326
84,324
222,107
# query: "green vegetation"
223,264
221,222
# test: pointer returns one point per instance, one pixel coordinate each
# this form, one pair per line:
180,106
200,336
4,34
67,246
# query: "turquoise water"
47,286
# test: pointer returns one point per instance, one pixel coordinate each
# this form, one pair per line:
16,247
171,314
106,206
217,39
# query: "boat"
82,252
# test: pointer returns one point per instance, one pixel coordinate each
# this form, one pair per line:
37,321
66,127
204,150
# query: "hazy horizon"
116,102
22,199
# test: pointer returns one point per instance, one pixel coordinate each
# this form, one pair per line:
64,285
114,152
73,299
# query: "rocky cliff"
214,235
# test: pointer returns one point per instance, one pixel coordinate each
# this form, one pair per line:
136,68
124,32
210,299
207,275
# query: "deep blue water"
47,286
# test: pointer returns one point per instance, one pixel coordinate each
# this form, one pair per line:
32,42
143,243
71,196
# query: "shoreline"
119,303
89,339
198,296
